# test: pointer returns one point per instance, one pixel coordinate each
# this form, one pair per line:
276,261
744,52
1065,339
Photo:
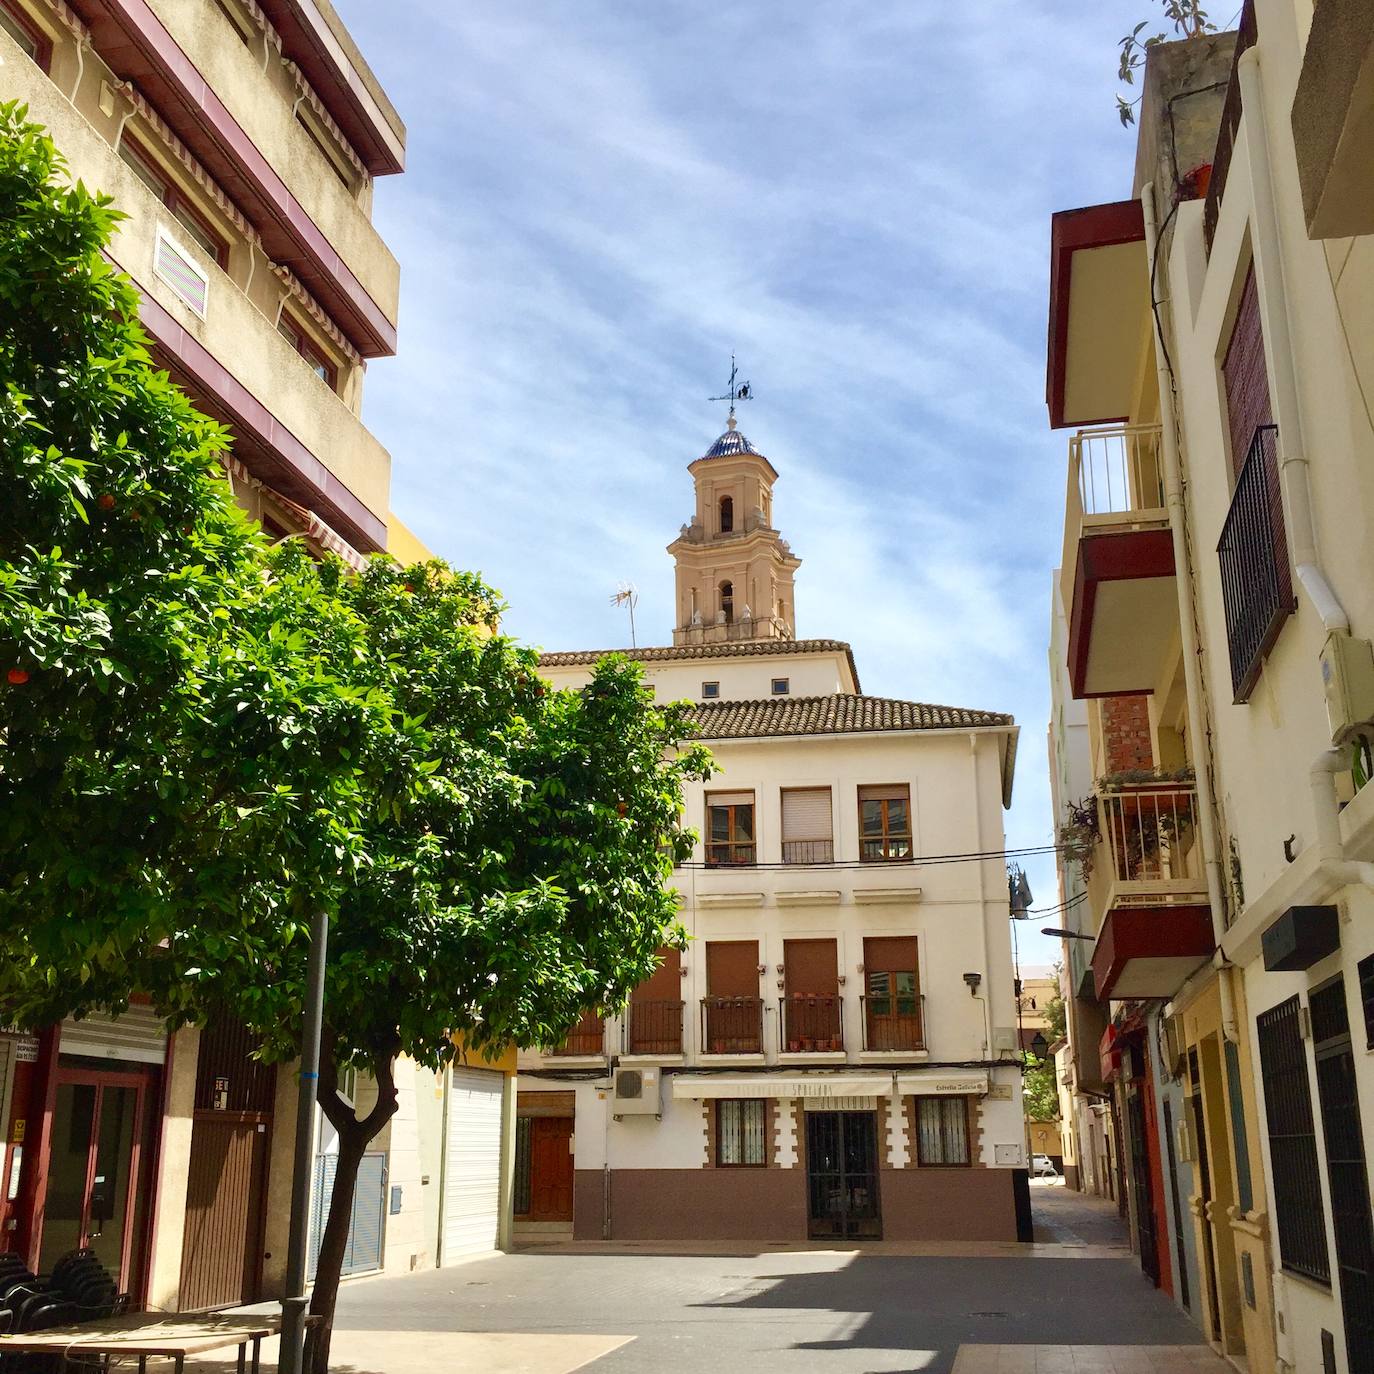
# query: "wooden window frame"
305,346
890,837
174,200
921,1160
732,844
41,56
743,1103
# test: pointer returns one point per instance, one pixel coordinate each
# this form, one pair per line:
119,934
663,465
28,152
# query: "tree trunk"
354,1138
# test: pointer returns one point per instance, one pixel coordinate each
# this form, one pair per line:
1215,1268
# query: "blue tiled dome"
729,443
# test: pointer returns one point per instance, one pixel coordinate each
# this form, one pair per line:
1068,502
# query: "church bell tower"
734,570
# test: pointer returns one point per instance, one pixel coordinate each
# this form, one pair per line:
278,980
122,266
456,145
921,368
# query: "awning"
941,1082
782,1085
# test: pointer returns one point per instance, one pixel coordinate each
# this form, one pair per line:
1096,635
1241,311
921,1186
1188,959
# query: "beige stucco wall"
174,1155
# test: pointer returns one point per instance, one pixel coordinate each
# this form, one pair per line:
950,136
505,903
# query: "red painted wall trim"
334,502
1121,557
203,118
1095,226
38,1149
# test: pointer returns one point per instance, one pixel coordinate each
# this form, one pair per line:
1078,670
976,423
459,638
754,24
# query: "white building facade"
834,1053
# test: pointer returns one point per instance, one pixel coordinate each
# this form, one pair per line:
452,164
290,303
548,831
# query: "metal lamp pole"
292,1353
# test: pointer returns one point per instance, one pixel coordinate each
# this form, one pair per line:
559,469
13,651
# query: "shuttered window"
1292,1143
1244,374
942,1130
807,826
892,995
739,1133
885,823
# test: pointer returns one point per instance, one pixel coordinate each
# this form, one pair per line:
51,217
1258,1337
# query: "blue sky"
602,201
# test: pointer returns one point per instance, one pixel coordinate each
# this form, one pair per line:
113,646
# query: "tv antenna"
627,594
739,391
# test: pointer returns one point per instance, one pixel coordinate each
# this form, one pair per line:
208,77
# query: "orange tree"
206,741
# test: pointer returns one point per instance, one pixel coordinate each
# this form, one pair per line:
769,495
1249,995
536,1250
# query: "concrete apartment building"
1211,345
834,1054
241,139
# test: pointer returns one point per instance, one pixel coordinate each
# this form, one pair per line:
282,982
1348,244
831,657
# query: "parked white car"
1042,1166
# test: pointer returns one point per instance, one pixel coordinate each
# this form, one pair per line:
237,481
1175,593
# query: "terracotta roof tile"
744,648
833,715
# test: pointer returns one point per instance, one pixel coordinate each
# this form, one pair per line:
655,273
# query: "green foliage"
1189,20
1040,1092
1056,1012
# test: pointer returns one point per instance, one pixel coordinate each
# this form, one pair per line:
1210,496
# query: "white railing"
1148,851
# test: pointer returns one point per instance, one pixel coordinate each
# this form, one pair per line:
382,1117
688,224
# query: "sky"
601,201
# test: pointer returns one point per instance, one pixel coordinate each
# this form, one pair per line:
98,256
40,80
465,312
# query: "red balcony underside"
1150,951
1104,560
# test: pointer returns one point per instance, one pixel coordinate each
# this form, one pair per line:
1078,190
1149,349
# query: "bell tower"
734,570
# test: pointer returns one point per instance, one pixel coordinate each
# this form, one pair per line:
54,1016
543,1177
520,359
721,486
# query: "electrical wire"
841,864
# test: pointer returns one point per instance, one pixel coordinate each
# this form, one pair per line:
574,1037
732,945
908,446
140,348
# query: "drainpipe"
1192,662
1334,866
1293,466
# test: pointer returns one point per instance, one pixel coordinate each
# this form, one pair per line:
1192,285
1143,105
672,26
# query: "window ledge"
729,899
571,1061
814,1057
872,896
890,1056
816,897
733,1058
667,1060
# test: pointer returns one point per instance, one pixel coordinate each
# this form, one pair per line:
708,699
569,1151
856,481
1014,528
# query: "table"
145,1334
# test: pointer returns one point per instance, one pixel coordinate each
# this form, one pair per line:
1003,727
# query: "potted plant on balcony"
1080,832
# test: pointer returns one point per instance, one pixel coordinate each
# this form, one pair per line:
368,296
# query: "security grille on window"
807,828
730,828
739,1133
942,1130
885,823
1292,1143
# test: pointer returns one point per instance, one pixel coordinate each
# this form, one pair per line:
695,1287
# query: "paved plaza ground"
1074,1301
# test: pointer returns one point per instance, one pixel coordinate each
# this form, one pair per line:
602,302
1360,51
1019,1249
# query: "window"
884,823
727,602
26,33
730,828
727,514
238,21
1365,970
942,1130
710,690
739,1133
297,338
781,686
892,994
324,142
1292,1143
197,228
807,830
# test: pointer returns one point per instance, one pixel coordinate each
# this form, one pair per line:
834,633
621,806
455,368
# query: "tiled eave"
135,45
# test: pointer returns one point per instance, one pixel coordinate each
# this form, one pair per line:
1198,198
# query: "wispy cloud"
603,200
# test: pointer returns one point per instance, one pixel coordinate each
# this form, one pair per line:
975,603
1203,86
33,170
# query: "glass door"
93,1170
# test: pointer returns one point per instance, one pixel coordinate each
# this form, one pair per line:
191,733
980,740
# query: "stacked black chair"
79,1289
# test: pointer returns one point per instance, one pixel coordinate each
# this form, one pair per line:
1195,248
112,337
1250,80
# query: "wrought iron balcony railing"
894,1021
808,851
811,1024
1256,582
586,1038
653,1027
732,1025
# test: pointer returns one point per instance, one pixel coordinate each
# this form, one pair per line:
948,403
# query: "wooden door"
551,1168
221,1263
734,1011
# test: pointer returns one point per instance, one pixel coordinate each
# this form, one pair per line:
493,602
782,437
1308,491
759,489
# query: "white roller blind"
136,1035
730,799
893,792
806,814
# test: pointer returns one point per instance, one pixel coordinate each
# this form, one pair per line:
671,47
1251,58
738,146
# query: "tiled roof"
731,442
743,648
834,715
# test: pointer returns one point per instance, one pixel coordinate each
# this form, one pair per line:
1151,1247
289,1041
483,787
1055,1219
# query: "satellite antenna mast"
743,391
627,594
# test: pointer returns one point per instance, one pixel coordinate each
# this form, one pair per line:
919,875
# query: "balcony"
732,1025
654,1028
587,1039
893,1023
1144,872
808,851
1118,561
1256,583
811,1024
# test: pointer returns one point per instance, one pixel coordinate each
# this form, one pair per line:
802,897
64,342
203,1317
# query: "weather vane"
744,391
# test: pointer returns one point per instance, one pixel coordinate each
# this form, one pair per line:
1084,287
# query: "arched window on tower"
727,514
727,602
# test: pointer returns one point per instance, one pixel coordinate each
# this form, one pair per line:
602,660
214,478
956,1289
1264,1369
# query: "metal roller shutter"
472,1166
136,1035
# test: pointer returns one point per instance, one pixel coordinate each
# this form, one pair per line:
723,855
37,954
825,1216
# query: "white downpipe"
1334,866
1268,254
1192,666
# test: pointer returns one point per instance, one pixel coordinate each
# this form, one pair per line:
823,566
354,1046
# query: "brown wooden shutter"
890,954
1247,381
812,967
806,814
665,984
732,968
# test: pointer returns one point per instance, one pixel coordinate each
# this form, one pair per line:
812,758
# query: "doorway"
92,1200
842,1176
550,1168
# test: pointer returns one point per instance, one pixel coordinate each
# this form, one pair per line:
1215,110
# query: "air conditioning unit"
1175,1045
637,1092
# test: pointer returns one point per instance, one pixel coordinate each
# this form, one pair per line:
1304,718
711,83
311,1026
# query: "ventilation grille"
175,266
